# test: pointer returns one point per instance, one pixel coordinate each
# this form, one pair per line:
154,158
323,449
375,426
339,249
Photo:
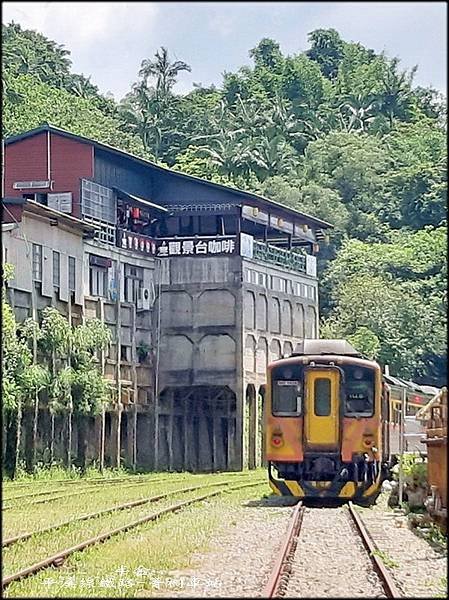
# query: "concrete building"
213,281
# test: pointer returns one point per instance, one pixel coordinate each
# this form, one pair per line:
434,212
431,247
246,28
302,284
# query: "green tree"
327,49
163,71
16,360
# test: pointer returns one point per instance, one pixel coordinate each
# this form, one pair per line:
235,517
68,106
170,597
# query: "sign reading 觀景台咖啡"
173,247
196,246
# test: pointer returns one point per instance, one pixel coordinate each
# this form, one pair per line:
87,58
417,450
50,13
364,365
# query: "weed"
387,560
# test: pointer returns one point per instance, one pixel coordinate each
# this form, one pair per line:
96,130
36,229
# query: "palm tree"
271,156
396,95
163,70
361,109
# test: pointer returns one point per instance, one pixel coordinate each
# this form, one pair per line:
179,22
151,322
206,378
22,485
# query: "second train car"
326,424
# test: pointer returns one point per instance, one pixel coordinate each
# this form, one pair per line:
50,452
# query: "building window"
262,279
133,283
98,281
72,276
56,269
37,262
125,353
99,206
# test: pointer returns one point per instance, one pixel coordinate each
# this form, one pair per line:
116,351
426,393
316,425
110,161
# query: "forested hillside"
336,131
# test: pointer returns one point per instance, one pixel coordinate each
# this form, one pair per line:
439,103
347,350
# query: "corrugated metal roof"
243,194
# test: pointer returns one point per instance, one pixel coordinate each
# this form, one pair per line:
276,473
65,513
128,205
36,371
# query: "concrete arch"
298,321
288,348
286,318
275,349
176,351
311,322
216,352
249,359
215,307
249,310
262,356
178,309
275,315
262,312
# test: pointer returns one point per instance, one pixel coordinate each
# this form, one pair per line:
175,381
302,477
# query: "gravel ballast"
418,570
330,560
242,553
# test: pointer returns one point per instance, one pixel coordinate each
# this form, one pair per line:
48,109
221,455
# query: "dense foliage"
50,362
336,131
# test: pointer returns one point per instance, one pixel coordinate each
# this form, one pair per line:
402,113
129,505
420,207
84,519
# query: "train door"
321,423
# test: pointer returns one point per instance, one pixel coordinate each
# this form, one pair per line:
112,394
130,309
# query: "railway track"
79,491
290,578
58,559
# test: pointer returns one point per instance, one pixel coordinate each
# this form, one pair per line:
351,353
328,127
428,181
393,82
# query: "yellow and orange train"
327,424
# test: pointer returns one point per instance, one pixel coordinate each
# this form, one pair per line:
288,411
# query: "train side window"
322,397
287,391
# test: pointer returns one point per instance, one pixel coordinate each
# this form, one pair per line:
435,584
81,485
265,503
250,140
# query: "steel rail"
132,504
275,581
57,560
390,588
88,488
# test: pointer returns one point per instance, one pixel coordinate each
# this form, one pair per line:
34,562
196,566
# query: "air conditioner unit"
143,303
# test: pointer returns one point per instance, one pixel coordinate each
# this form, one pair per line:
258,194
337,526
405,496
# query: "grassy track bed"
50,495
25,518
40,491
131,563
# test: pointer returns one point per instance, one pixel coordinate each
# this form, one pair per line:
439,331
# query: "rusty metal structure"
435,416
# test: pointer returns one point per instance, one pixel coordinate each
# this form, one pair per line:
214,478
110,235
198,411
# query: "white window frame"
98,281
37,262
56,269
71,274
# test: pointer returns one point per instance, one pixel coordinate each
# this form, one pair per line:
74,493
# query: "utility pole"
401,445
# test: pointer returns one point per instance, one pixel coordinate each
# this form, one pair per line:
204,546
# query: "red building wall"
26,160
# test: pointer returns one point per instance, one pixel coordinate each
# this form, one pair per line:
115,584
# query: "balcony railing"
284,258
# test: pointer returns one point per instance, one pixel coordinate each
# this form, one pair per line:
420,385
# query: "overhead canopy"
337,347
142,202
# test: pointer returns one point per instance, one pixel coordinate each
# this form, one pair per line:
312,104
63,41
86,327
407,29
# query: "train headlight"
277,440
368,440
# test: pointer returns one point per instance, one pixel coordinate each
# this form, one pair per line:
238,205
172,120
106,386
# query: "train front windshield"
359,391
287,391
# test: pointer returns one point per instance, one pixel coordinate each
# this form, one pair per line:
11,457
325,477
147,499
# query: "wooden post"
401,445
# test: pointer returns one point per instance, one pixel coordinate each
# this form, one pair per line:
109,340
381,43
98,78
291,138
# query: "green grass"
386,559
159,547
25,517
